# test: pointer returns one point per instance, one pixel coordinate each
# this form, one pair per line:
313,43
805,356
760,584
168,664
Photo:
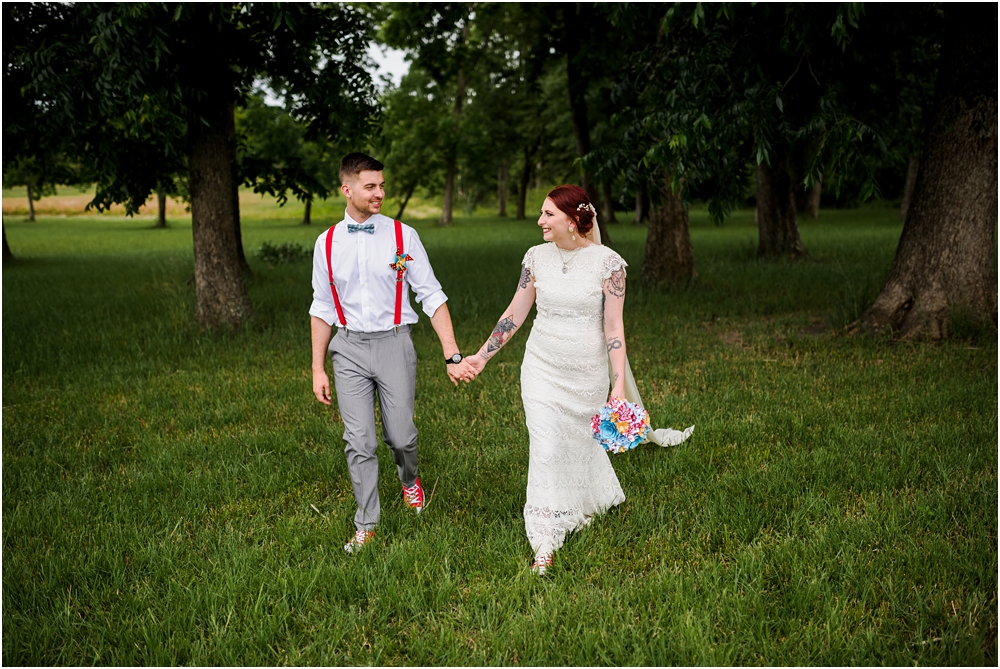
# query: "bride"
576,344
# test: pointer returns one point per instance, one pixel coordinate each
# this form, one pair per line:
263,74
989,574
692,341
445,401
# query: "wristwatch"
454,360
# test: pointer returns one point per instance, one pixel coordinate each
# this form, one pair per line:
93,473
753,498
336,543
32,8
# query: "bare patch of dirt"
733,338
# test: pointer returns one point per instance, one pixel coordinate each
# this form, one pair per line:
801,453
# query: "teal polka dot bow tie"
364,227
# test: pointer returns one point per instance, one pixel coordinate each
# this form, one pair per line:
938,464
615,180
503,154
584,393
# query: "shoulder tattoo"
616,283
525,279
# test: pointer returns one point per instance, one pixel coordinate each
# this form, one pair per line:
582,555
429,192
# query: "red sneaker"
360,538
541,563
414,496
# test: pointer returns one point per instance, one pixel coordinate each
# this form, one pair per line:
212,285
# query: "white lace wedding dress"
564,381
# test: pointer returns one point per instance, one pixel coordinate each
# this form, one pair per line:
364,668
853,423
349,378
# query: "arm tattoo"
614,343
501,335
616,378
525,278
616,283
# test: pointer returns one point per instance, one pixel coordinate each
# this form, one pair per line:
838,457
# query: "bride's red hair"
568,199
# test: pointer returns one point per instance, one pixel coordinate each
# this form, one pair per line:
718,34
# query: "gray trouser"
363,364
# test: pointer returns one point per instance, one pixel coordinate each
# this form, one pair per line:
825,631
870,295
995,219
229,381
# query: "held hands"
477,363
461,372
467,370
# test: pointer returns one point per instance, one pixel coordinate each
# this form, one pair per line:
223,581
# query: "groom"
363,269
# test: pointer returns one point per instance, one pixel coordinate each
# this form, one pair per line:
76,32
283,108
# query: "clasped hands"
467,370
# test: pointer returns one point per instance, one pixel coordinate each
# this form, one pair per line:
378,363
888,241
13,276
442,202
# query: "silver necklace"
563,258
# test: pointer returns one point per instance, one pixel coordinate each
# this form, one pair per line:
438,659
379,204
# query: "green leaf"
668,21
698,15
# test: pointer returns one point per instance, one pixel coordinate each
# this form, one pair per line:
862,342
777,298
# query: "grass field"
173,497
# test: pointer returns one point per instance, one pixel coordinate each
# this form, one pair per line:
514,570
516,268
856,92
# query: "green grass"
835,506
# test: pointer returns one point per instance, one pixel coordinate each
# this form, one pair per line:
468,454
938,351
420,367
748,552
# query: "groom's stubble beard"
366,207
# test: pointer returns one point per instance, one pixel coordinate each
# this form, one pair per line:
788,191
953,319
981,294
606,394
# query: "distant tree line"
649,106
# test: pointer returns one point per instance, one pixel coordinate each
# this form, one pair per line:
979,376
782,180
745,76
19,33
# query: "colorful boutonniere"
400,263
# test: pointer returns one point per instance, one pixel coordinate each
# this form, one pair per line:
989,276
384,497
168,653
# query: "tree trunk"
307,214
526,173
911,182
220,295
449,189
777,224
452,158
669,256
7,255
31,205
161,208
609,204
406,200
641,206
577,84
234,163
503,176
946,260
522,190
807,201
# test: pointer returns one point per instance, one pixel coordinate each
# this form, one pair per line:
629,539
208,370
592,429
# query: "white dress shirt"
366,284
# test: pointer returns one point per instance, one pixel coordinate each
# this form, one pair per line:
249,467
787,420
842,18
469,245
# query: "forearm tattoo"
616,283
614,343
501,335
525,278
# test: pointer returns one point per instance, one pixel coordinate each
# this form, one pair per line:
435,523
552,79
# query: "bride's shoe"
541,563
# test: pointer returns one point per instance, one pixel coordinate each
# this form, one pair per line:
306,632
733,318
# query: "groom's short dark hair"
354,164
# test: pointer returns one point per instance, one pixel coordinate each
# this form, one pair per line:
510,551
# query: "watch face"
457,358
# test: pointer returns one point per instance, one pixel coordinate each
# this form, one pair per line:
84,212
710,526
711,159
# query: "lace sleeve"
529,260
612,263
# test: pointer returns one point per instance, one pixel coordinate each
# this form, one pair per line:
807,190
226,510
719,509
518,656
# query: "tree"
415,129
37,179
441,39
727,87
669,257
276,157
521,98
146,90
945,261
34,149
584,42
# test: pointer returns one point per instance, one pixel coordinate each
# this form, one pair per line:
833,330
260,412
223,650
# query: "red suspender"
329,265
399,273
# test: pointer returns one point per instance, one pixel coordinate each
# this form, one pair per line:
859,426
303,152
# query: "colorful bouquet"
620,425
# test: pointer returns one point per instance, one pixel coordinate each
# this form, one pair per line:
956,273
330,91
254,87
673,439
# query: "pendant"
565,269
